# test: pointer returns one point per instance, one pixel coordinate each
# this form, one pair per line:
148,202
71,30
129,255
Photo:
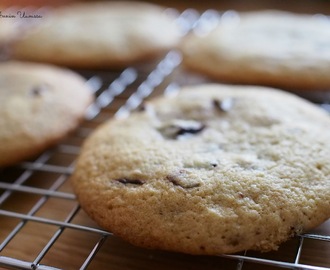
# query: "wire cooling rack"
43,227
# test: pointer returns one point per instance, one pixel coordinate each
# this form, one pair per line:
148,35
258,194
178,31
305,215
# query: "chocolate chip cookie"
39,105
99,35
215,169
269,47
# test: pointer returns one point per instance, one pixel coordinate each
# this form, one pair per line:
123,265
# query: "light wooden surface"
73,246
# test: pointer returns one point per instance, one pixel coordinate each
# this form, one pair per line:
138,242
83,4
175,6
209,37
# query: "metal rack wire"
43,227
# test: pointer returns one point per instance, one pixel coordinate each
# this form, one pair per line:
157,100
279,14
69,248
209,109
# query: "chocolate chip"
126,181
38,90
178,128
190,130
224,105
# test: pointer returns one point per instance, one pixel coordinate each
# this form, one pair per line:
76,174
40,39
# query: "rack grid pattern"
43,227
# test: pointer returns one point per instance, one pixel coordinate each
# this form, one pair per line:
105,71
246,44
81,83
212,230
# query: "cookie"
39,105
215,169
273,48
99,35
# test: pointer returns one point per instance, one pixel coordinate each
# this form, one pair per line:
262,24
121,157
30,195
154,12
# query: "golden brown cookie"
39,105
265,48
215,169
99,35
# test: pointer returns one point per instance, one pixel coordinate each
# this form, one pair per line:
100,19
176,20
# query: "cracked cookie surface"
215,169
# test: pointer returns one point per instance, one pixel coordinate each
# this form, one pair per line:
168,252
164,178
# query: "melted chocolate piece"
180,128
38,90
130,181
189,130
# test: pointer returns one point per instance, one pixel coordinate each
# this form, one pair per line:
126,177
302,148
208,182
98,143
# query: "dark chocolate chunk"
181,128
38,90
126,181
190,130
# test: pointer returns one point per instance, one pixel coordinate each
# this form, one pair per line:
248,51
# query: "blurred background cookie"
102,34
264,47
39,105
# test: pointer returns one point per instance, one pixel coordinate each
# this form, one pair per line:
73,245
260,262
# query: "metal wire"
106,96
